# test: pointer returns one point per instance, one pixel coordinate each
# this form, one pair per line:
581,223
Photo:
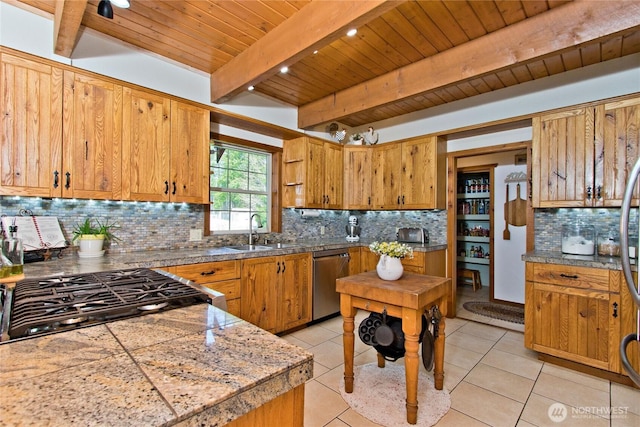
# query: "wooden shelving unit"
474,219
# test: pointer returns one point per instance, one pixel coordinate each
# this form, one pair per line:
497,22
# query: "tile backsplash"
152,226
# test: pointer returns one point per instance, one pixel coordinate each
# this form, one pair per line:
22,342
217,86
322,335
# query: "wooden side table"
406,298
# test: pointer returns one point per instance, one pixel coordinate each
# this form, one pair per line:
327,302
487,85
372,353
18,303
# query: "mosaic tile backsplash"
152,226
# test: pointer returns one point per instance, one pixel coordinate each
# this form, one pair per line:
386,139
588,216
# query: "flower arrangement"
392,249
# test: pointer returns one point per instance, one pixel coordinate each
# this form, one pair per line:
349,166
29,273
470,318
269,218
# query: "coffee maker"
353,229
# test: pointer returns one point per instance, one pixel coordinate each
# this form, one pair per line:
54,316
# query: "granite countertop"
190,366
70,263
593,261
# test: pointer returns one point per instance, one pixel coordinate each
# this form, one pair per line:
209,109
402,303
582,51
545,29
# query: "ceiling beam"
314,26
66,24
556,30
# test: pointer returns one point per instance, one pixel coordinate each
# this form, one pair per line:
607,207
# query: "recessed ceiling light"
251,87
284,69
352,32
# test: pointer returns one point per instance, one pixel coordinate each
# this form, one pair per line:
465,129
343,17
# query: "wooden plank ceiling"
407,55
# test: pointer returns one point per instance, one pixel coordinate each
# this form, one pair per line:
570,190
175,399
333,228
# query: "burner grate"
52,304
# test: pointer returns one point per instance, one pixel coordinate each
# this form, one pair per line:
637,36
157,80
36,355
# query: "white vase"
389,268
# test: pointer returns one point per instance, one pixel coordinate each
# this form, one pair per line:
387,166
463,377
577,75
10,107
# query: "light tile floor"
493,380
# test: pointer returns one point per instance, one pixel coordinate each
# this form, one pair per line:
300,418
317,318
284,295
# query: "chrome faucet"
251,227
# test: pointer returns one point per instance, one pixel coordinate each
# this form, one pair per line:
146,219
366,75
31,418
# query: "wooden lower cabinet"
222,276
276,291
574,313
432,263
629,324
287,409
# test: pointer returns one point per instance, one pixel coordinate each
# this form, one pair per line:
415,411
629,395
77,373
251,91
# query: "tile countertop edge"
72,264
178,360
592,261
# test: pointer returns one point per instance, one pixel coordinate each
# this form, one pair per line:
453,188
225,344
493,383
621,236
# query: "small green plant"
89,227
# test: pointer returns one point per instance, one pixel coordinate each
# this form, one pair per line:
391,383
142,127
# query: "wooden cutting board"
517,209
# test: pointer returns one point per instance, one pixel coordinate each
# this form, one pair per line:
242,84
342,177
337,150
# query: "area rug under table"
508,313
379,394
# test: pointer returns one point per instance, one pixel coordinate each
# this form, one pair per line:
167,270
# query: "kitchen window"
239,186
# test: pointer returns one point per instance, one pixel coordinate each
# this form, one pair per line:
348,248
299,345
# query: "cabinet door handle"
278,272
166,187
569,276
284,267
403,199
615,310
208,273
369,201
599,192
398,200
588,193
86,150
174,188
67,184
56,179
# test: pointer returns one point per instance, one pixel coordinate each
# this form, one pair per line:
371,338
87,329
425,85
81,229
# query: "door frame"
452,185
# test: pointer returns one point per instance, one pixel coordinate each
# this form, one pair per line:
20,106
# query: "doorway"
501,273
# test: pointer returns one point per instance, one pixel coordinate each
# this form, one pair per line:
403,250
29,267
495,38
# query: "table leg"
438,369
411,326
381,362
348,315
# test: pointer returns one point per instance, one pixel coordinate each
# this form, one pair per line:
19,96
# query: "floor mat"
379,394
508,313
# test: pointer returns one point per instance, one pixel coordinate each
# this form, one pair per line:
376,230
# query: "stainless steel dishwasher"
328,265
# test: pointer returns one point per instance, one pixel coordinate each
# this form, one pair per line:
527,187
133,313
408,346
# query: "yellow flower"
392,249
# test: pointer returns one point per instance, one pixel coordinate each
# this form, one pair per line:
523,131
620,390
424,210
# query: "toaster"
412,235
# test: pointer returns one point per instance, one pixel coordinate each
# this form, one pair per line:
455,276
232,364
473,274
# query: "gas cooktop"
55,304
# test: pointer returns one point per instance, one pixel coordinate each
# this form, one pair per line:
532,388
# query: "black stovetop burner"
56,304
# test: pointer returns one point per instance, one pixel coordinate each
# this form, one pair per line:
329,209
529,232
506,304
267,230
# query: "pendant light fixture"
105,9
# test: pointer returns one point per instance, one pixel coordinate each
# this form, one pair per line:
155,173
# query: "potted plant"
91,236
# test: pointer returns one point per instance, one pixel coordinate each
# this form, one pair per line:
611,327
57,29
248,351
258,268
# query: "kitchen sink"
249,248
282,245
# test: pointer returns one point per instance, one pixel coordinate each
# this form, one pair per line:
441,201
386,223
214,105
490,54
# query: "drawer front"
567,275
209,271
416,261
230,288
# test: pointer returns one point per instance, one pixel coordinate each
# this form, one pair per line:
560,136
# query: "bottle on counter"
12,253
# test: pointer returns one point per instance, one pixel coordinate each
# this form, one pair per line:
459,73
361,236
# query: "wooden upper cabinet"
424,173
189,153
410,174
563,159
31,122
146,146
357,177
92,143
617,145
312,174
582,157
333,171
385,176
